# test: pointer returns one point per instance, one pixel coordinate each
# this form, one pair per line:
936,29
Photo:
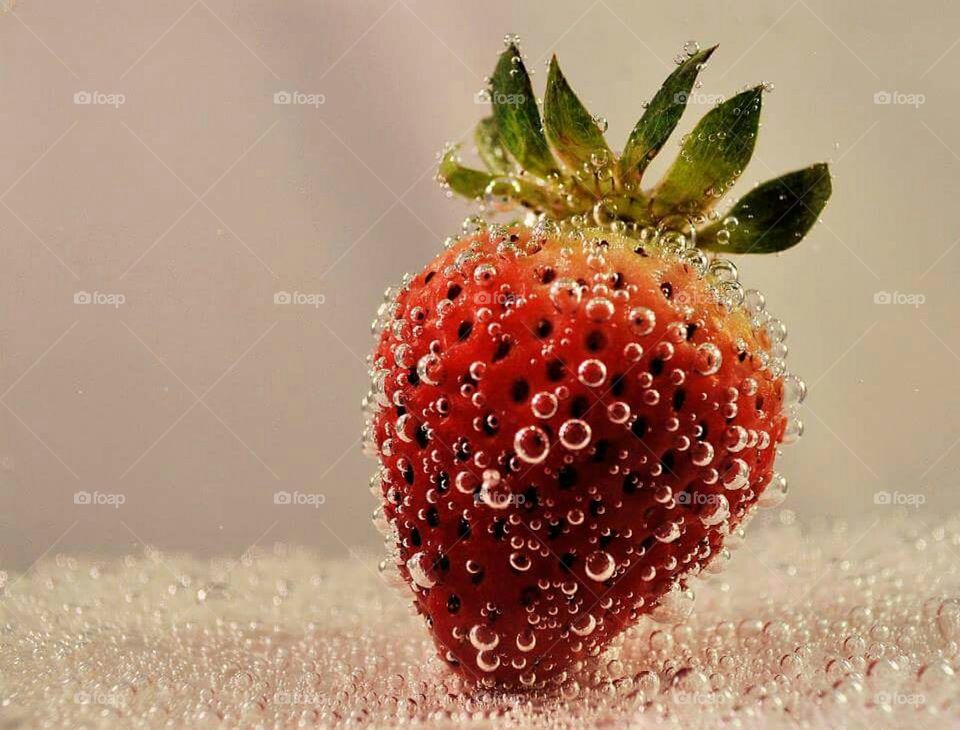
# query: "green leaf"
490,147
517,116
462,180
661,115
571,130
712,156
773,216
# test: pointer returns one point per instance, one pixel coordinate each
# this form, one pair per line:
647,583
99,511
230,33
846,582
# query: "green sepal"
571,131
661,116
517,116
462,180
712,156
490,147
773,216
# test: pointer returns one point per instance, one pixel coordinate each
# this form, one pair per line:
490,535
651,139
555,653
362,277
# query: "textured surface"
828,627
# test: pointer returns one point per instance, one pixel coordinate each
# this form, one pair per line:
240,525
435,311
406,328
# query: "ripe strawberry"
573,412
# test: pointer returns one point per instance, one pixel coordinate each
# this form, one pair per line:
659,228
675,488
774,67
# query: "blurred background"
202,202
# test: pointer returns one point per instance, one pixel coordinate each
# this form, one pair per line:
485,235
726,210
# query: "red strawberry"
572,413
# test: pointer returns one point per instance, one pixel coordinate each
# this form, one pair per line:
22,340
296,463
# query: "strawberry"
573,411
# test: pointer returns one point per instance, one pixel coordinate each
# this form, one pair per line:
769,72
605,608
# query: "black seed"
656,366
668,461
603,448
567,477
528,595
742,356
605,540
547,276
433,517
640,251
556,370
413,377
704,431
401,411
567,561
462,450
442,563
531,498
454,291
478,578
596,341
639,427
489,428
503,349
619,281
647,543
429,276
544,328
555,529
464,331
408,474
759,402
579,406
667,289
596,507
463,529
499,529
421,436
679,398
520,391
631,483
443,482
415,539
691,329
619,384
453,603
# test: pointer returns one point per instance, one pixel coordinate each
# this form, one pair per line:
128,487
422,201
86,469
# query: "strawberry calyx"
559,167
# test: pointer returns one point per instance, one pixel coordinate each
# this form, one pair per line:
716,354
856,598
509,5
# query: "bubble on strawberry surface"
592,372
531,444
600,566
575,434
643,320
421,570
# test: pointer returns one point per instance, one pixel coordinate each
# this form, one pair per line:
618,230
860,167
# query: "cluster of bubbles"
844,628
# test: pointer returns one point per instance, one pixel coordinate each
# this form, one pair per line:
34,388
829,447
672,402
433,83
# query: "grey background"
198,198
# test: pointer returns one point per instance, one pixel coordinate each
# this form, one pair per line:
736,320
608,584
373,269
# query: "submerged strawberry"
573,412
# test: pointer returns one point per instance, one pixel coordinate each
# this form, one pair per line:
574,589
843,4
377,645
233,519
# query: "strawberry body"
568,427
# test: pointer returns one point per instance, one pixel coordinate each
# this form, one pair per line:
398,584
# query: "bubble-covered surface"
850,626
